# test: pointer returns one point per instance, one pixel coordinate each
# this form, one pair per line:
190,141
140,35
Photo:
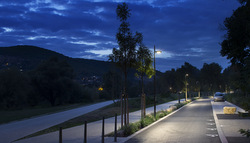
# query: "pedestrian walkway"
94,129
228,125
15,130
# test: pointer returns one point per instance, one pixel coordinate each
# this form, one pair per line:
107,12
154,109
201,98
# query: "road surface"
192,124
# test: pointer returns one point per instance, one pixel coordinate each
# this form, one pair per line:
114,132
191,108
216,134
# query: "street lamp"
158,52
186,75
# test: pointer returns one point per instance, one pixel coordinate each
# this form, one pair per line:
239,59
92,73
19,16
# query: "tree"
53,80
231,77
110,87
237,42
14,87
189,76
211,77
236,45
124,57
144,68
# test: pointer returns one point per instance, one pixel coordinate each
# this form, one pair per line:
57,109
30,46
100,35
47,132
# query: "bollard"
60,135
115,135
179,98
103,130
85,132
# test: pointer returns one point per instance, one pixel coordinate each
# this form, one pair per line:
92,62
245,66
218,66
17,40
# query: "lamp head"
158,52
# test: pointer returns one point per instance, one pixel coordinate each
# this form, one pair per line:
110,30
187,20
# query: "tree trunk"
126,115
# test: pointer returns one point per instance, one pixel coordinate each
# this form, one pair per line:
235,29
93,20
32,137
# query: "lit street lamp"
186,75
158,52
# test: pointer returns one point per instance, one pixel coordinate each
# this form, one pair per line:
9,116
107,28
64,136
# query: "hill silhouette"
28,57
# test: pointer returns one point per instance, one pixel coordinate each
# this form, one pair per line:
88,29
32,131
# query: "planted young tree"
125,55
144,68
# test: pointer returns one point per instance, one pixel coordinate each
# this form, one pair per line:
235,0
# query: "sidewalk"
17,129
75,134
228,125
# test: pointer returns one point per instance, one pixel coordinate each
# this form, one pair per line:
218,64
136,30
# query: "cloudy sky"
185,30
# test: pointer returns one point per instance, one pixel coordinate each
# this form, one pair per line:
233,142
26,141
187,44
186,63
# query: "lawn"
15,115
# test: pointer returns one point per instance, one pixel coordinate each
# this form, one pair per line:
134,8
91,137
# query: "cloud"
185,30
101,53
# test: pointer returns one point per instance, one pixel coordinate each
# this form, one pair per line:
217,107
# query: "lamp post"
186,75
158,52
198,88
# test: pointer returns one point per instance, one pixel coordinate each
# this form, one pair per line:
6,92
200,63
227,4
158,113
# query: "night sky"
185,30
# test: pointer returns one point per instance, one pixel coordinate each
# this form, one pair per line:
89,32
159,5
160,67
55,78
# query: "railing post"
85,132
60,135
115,135
103,130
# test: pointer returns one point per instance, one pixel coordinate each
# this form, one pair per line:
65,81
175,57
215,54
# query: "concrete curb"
131,136
220,132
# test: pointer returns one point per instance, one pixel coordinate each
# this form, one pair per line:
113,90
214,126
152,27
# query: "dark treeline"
207,80
53,83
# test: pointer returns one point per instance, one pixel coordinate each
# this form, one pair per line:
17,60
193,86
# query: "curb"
129,137
223,138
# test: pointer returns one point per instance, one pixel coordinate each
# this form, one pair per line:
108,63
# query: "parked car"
218,96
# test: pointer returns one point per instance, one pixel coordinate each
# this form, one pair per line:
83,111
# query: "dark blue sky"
185,30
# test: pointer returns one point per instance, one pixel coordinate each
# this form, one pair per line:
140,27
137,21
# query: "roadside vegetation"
240,100
147,120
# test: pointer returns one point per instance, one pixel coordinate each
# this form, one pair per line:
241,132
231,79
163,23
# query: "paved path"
75,134
15,130
194,123
228,125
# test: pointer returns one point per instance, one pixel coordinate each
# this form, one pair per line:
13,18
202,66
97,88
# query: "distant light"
100,89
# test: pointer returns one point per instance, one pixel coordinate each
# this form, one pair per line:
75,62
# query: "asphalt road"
192,124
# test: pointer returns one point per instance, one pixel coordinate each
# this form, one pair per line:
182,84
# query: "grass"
15,115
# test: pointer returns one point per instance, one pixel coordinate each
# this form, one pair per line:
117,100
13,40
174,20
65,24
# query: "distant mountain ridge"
29,57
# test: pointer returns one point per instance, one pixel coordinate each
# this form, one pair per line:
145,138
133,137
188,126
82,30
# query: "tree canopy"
236,45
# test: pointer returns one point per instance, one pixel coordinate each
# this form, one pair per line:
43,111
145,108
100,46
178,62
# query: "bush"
239,99
245,132
131,128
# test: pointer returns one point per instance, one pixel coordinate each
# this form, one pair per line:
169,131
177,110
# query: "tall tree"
144,68
189,75
125,55
236,45
211,77
237,41
53,80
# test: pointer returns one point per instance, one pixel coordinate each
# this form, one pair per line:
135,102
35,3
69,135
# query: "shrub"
131,128
245,132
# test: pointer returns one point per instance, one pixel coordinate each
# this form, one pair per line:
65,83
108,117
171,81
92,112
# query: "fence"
85,131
